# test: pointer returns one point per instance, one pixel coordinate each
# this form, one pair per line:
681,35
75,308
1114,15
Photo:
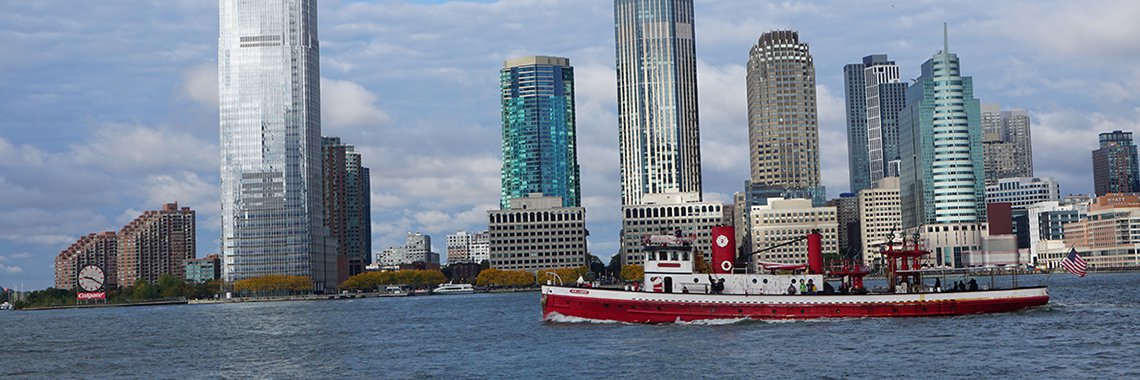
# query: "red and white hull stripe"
643,307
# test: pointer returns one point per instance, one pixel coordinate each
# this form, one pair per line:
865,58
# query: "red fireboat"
672,291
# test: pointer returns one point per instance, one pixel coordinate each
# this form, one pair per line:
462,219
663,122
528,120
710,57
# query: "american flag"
1074,263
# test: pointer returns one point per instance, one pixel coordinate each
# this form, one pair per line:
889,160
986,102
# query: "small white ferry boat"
454,289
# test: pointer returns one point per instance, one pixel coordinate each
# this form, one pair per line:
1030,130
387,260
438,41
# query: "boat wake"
714,322
559,318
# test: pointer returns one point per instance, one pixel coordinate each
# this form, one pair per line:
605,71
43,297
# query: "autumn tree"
632,273
275,283
499,277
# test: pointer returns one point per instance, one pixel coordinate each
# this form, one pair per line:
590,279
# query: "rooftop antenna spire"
945,40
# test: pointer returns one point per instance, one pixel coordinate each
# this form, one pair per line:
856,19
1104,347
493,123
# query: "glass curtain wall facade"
855,91
940,129
540,149
657,98
269,95
783,131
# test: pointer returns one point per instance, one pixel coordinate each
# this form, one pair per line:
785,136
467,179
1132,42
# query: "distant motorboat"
5,306
454,289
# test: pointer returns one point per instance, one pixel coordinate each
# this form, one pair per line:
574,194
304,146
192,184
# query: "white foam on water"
555,316
714,322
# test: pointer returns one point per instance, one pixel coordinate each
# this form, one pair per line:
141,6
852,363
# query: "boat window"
650,256
673,256
663,256
684,256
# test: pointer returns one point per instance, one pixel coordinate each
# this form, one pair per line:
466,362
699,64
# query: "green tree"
170,286
595,264
143,290
614,268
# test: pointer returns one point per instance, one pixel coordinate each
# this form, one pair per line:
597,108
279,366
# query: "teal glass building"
940,132
540,148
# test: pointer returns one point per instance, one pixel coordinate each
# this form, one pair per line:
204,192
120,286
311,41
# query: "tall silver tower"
657,98
269,99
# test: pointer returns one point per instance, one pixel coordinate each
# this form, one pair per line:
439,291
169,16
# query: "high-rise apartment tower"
1114,164
657,98
540,148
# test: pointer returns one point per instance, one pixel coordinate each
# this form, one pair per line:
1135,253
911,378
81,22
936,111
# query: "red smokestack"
723,249
815,252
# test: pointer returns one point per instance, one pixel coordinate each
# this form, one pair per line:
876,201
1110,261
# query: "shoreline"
103,305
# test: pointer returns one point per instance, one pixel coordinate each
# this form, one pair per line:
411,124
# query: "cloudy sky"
109,108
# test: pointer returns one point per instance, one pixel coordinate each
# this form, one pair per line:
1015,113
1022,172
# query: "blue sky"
109,108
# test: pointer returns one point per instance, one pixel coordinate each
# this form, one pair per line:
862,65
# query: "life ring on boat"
726,266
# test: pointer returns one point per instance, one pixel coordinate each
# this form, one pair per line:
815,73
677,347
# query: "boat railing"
556,276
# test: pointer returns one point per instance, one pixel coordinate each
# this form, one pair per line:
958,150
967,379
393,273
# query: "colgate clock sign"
83,296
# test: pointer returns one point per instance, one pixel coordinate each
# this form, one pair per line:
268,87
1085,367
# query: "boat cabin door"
668,284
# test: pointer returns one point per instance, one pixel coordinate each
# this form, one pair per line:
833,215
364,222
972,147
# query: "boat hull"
642,307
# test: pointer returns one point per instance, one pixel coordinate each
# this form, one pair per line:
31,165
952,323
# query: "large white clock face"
91,278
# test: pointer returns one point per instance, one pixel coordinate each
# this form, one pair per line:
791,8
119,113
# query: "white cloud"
200,83
10,269
348,104
131,148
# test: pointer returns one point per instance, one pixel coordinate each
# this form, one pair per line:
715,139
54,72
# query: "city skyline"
87,145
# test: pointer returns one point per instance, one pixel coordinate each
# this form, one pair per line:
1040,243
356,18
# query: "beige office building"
880,217
536,233
783,131
783,220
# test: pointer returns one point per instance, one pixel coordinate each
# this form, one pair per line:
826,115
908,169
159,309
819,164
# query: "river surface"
1090,329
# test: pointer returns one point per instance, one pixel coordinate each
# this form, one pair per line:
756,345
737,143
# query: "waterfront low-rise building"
417,248
951,243
205,269
1109,237
667,213
537,232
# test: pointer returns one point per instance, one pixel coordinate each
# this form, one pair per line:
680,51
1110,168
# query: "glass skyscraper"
657,98
942,177
540,149
269,99
874,98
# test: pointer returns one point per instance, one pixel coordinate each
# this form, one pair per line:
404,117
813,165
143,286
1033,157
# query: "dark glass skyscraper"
540,149
660,141
874,98
855,92
1114,164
